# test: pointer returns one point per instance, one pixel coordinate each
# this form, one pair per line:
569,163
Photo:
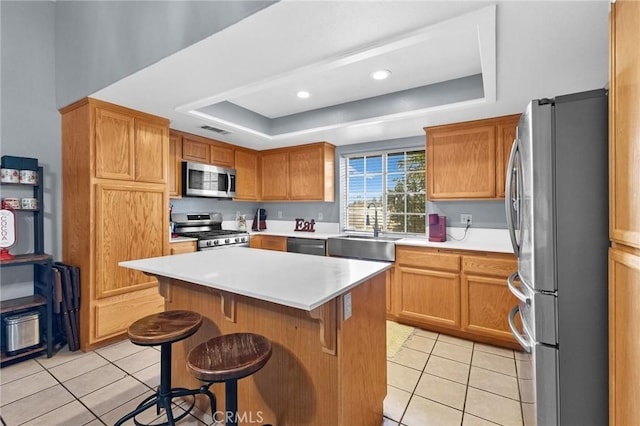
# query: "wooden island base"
324,370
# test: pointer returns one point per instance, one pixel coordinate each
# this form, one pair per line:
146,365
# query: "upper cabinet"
221,154
246,165
506,134
311,172
299,173
174,175
194,149
207,151
624,126
274,167
468,160
127,146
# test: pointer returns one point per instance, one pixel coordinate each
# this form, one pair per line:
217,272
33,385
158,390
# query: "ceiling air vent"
215,130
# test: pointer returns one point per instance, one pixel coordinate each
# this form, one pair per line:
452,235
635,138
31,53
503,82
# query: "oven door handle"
526,345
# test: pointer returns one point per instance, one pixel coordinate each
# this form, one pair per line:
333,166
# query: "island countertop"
297,280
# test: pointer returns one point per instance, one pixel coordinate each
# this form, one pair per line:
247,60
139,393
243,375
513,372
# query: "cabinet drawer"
183,247
483,265
428,259
274,242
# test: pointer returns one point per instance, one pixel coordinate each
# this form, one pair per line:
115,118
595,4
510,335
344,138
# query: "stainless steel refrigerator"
557,212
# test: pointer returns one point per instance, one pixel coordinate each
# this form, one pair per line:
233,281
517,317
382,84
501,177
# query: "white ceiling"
521,50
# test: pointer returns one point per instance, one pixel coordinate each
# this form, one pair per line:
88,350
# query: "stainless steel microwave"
205,180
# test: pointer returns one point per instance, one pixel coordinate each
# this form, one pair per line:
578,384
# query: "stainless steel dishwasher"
307,246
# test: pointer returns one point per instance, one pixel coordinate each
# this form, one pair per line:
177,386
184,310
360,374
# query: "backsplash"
486,214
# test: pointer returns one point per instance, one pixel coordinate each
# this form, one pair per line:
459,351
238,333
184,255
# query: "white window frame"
382,210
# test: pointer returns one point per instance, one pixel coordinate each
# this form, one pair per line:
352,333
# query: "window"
394,182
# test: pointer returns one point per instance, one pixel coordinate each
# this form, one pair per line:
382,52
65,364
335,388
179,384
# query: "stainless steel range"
207,228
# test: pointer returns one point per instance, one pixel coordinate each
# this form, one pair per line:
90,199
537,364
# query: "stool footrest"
164,401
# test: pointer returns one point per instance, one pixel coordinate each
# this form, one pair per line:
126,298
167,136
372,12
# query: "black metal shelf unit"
42,298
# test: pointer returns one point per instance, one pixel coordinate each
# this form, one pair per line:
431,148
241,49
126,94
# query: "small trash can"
22,331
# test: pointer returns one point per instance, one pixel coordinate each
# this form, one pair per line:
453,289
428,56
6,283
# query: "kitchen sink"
365,247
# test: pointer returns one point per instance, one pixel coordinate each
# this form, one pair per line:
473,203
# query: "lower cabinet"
268,242
486,300
624,336
428,287
183,247
457,292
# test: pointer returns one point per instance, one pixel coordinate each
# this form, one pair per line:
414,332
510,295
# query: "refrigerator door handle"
512,325
512,205
515,291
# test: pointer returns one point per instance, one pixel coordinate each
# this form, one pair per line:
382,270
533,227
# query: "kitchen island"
324,316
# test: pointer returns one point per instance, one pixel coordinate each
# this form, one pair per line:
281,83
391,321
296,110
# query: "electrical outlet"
279,214
320,216
466,219
346,301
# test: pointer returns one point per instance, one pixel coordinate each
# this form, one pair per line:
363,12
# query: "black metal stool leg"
231,402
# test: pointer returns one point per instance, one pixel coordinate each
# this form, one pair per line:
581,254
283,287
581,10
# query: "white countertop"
296,280
477,239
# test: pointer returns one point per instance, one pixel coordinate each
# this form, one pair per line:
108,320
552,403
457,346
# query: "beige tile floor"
439,380
433,380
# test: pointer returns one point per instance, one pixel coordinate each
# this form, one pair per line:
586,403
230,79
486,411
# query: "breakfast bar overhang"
324,316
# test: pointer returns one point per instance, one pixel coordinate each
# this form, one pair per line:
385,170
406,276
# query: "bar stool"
227,359
164,329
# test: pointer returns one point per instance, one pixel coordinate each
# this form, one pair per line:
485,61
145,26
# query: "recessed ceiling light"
380,74
303,94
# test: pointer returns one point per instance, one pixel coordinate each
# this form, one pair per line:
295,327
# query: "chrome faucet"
375,219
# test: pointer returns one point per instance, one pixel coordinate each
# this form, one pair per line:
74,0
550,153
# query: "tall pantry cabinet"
115,208
624,214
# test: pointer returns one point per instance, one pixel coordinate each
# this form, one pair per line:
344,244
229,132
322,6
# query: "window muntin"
394,182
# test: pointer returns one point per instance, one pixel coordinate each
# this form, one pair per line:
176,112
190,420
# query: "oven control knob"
208,243
237,240
216,242
226,241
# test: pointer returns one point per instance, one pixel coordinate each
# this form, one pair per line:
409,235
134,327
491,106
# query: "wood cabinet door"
246,164
174,173
131,223
306,173
274,167
193,150
486,302
624,126
221,155
183,247
461,162
273,242
429,296
151,151
505,135
114,145
624,337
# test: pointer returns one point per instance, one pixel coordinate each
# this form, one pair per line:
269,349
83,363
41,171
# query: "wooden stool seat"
227,359
164,327
230,356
